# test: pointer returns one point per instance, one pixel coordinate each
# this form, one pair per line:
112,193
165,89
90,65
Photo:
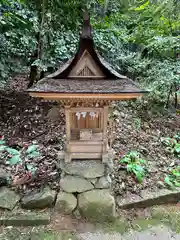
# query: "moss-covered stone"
38,200
74,184
97,205
8,198
65,203
24,219
3,177
148,198
85,169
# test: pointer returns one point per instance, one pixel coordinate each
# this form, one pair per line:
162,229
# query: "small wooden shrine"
86,85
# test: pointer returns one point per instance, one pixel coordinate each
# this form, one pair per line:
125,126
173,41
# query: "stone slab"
38,200
147,198
65,203
85,168
74,184
24,219
8,198
97,205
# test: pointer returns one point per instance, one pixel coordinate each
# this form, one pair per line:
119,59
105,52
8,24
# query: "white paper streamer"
84,114
91,114
78,114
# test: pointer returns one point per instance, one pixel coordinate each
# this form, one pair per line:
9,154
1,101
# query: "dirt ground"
157,223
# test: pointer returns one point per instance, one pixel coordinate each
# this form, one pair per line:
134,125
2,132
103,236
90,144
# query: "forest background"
140,38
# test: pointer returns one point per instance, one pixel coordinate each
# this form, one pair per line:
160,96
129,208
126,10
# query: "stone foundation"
85,191
85,186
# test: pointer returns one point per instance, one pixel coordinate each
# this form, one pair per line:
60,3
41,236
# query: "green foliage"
31,168
31,149
17,41
173,178
135,165
146,47
2,142
139,38
172,144
19,156
14,160
12,151
137,123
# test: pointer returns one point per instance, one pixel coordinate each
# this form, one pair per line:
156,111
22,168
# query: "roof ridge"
86,28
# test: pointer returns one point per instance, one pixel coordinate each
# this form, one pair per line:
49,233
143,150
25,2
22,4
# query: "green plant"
173,178
172,144
137,123
15,156
135,165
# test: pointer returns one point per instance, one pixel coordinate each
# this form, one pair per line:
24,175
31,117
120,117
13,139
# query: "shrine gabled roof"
86,72
84,86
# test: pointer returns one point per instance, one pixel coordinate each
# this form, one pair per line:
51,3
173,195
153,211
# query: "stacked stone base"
86,188
85,191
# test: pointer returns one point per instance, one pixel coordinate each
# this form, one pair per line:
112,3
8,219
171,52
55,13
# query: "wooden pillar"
111,129
105,121
68,132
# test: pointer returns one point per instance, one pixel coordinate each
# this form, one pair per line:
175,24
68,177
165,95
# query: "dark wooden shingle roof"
84,86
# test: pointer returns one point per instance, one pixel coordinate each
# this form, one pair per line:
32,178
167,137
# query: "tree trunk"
38,54
33,75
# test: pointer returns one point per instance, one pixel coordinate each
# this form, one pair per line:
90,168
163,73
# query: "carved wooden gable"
86,67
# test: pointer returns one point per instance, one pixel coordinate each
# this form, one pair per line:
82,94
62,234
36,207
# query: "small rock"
72,184
8,198
77,214
172,164
122,115
146,125
103,182
153,170
123,186
3,177
65,203
98,205
39,200
177,162
160,184
108,161
143,150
